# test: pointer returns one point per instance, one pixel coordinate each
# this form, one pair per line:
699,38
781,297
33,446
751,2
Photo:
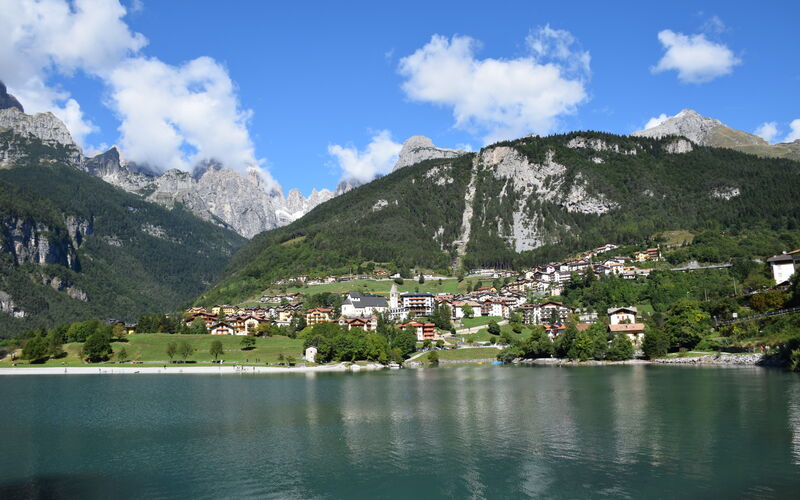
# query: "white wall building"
782,267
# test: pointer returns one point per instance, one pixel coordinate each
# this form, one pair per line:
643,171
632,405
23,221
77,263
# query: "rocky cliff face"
217,194
32,242
420,148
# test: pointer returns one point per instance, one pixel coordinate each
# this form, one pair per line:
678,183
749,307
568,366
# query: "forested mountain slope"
75,247
524,202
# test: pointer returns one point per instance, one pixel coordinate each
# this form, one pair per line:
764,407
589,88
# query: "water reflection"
458,432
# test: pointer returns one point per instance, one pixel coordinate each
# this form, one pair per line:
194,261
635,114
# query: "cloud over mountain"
377,158
171,116
500,98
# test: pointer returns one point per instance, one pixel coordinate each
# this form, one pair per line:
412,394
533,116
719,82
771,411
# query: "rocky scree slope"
522,202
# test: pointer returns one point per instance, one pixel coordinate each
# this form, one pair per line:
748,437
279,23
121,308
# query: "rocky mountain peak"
7,100
420,148
701,130
44,126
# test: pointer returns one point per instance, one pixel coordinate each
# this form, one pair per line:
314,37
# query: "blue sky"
304,89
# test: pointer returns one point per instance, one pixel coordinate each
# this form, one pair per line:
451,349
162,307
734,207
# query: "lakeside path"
186,370
476,329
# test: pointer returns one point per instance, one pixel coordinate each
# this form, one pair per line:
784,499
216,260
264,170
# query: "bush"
97,348
509,354
655,344
433,358
493,328
620,348
36,350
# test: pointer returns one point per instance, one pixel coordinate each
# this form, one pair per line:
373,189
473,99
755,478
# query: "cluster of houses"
413,309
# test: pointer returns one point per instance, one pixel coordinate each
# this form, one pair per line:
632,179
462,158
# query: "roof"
320,309
629,327
781,258
418,294
358,299
612,310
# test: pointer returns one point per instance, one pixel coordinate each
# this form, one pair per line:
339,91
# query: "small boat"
394,366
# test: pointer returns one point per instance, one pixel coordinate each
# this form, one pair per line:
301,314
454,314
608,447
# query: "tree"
185,350
290,360
509,354
655,344
248,343
686,324
421,280
493,328
433,358
399,281
620,348
97,347
216,349
118,331
172,350
426,344
582,346
198,327
516,328
35,350
468,311
55,341
440,343
122,355
538,345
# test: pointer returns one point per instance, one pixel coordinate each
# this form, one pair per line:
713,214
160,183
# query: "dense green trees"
336,343
97,347
686,324
620,348
122,268
35,350
655,343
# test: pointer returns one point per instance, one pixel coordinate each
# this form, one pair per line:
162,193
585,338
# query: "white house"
622,315
311,354
782,267
358,305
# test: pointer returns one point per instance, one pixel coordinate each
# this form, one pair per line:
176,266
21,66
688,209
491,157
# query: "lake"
472,431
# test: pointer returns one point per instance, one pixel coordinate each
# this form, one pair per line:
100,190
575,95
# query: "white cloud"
794,133
377,158
656,121
175,116
39,38
767,131
500,98
171,116
694,57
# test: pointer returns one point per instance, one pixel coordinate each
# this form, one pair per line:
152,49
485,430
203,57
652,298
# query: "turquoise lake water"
464,432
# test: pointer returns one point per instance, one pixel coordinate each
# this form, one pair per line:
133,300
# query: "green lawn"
449,285
151,347
483,334
479,320
461,354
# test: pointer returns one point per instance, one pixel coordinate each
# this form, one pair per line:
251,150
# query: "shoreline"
722,359
186,370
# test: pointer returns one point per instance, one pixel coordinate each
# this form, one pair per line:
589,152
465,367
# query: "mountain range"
520,203
101,236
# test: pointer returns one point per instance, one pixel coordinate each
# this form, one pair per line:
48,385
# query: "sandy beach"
186,370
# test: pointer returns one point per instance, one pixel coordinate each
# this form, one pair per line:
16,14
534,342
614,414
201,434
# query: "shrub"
620,348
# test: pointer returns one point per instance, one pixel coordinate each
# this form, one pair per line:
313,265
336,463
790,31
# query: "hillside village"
516,296
528,297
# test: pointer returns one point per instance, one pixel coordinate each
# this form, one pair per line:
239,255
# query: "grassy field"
448,285
483,334
152,348
462,354
478,321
